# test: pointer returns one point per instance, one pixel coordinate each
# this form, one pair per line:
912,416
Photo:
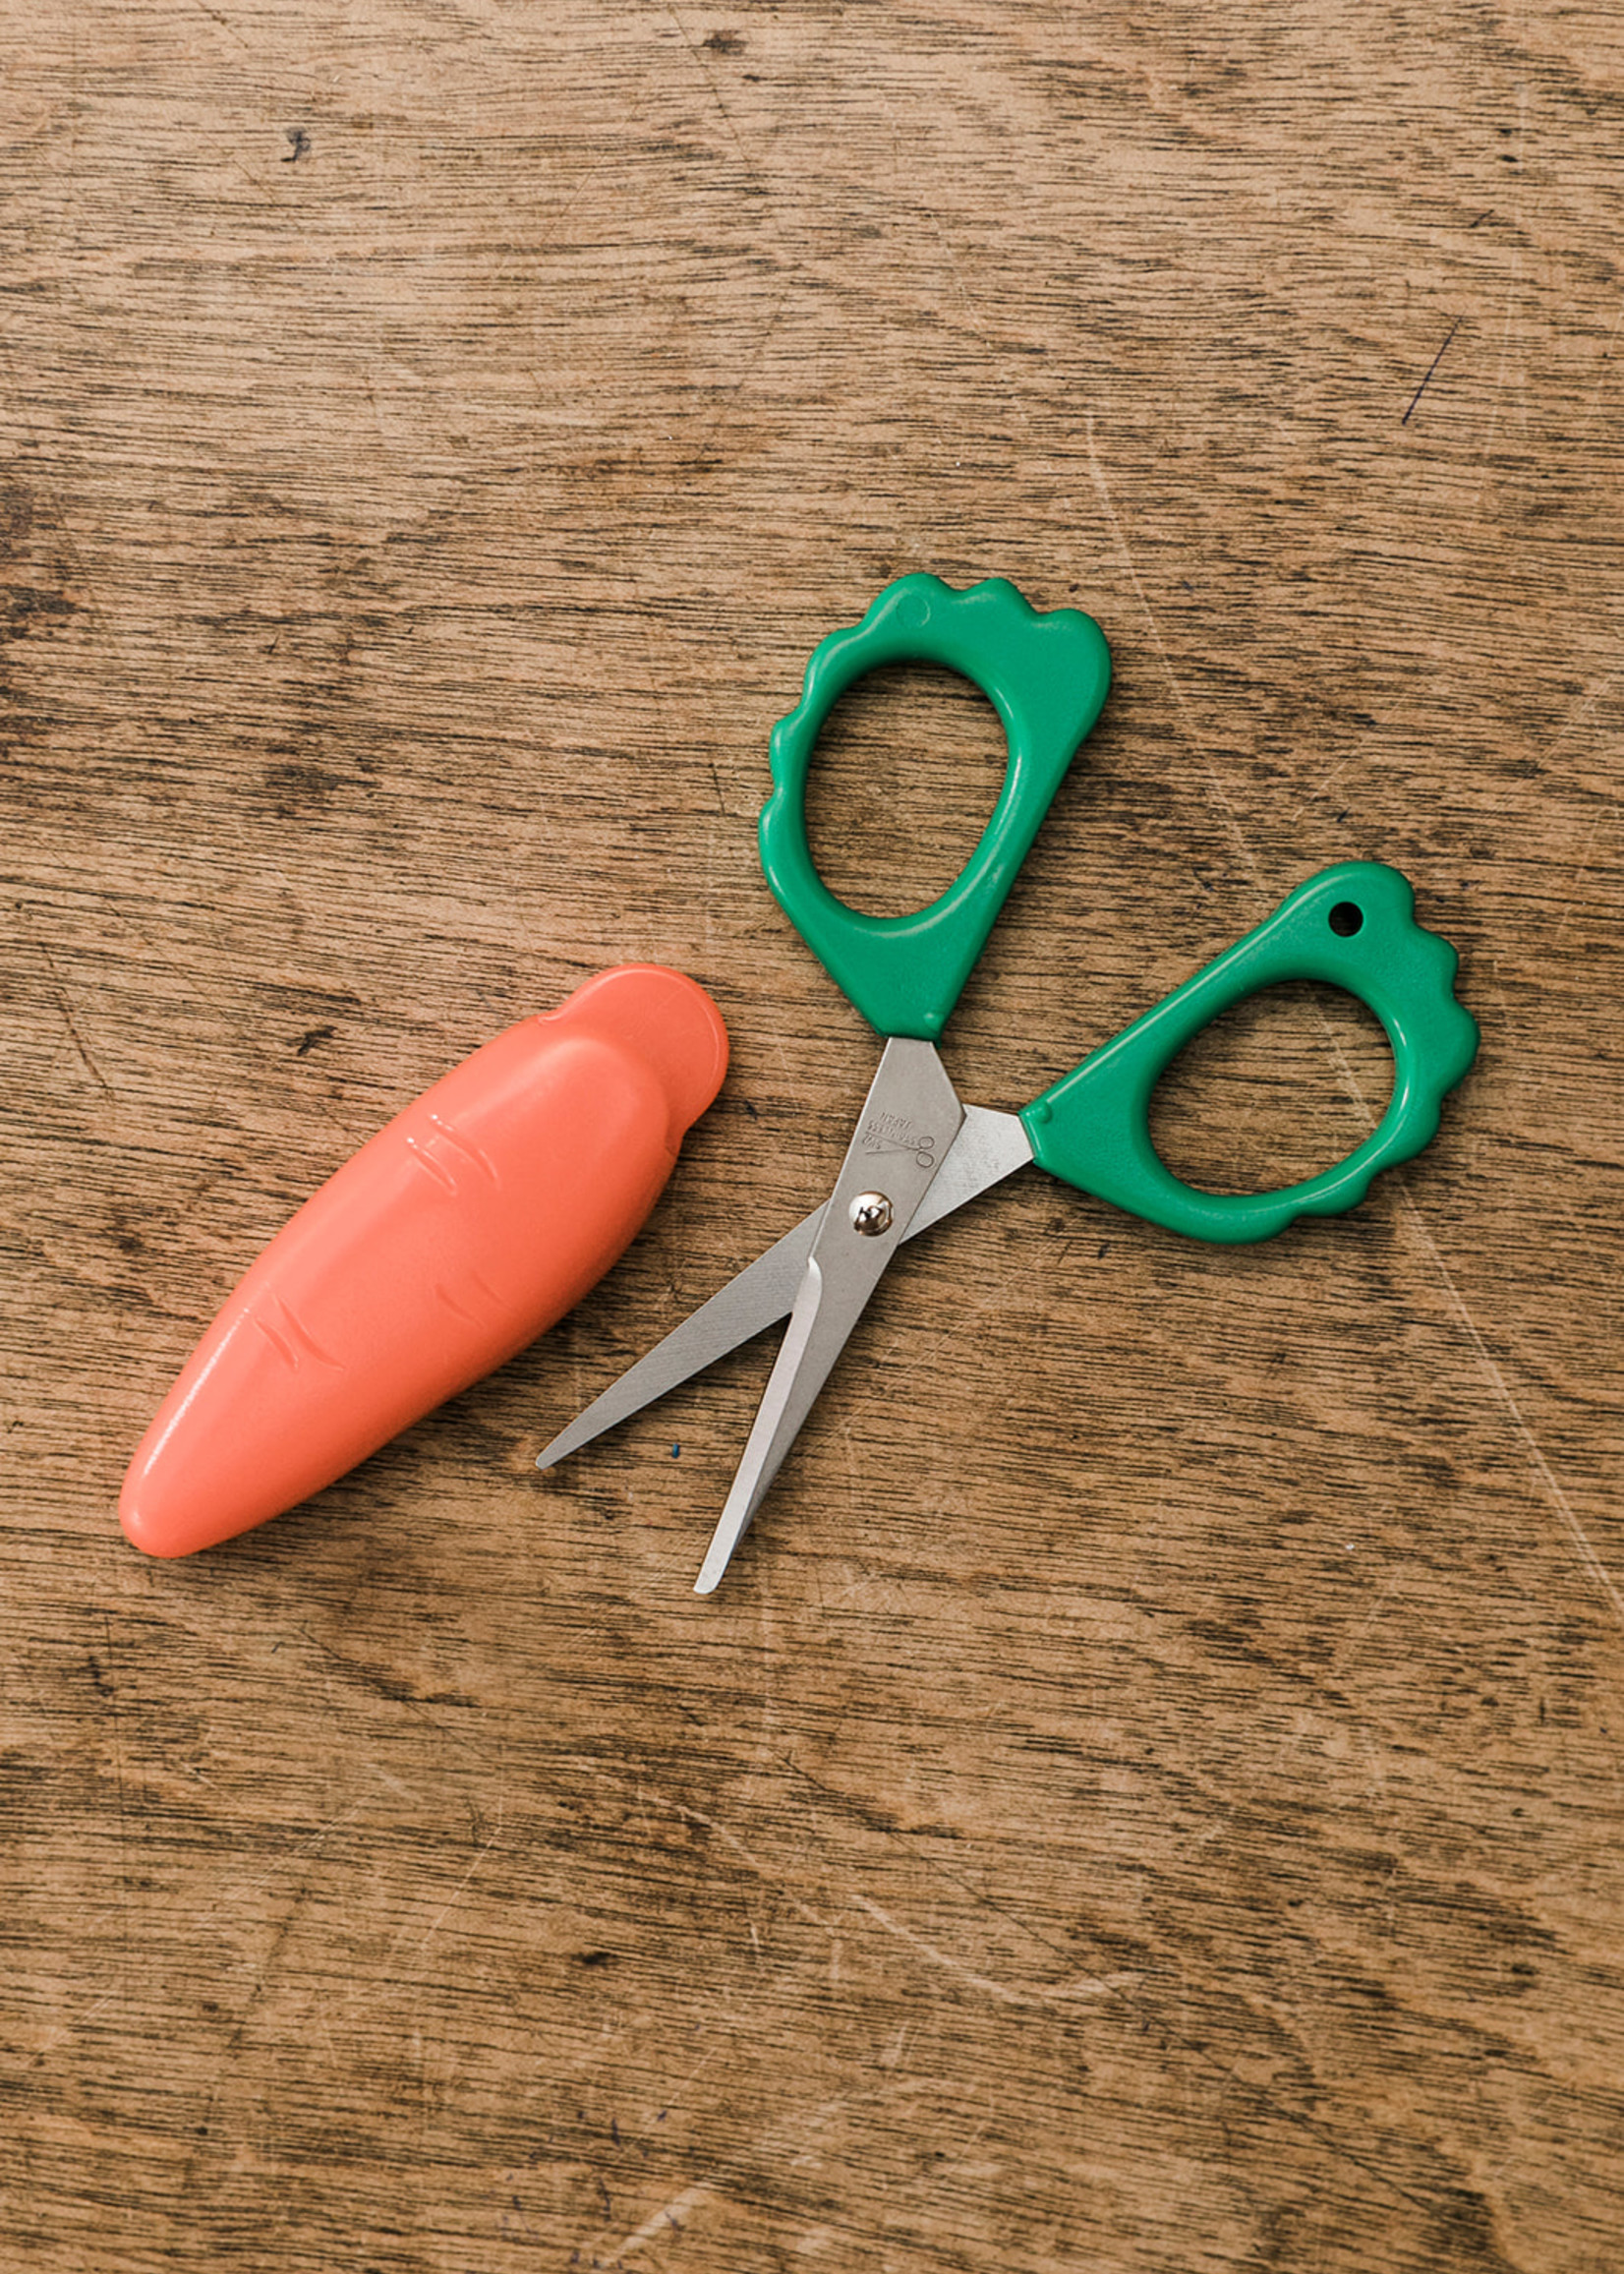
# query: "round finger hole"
1277,1090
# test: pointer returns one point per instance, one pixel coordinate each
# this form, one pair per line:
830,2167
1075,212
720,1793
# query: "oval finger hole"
1276,1090
906,775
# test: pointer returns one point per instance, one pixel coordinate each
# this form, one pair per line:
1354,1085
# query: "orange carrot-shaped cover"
459,1233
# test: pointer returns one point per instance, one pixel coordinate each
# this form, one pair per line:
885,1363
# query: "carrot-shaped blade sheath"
450,1241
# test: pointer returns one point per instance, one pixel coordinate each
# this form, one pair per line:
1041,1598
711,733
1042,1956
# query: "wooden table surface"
1149,1794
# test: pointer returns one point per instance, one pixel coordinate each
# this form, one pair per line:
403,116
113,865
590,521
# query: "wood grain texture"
1149,1795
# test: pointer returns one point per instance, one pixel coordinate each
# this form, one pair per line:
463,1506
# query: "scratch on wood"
1603,372
1214,787
434,1926
1598,1572
1513,287
709,77
1431,368
1006,1994
75,1037
309,1845
1086,1986
111,1693
775,2142
669,2216
1576,877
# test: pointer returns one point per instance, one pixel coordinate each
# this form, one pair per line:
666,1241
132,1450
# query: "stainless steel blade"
903,1139
989,1147
757,1297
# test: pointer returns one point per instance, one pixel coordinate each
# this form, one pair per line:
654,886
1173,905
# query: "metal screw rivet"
871,1214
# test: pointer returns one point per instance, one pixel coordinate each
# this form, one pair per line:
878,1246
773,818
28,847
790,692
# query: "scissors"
917,1153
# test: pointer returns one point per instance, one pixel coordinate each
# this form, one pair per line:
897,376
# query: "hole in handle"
1277,1090
908,769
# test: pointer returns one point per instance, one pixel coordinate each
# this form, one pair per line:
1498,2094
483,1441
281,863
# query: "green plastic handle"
1352,926
1045,675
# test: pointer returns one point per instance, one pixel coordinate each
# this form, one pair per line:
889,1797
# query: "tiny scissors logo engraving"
893,1132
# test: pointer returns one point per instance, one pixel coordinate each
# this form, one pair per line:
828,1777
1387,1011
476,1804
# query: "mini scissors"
918,1153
